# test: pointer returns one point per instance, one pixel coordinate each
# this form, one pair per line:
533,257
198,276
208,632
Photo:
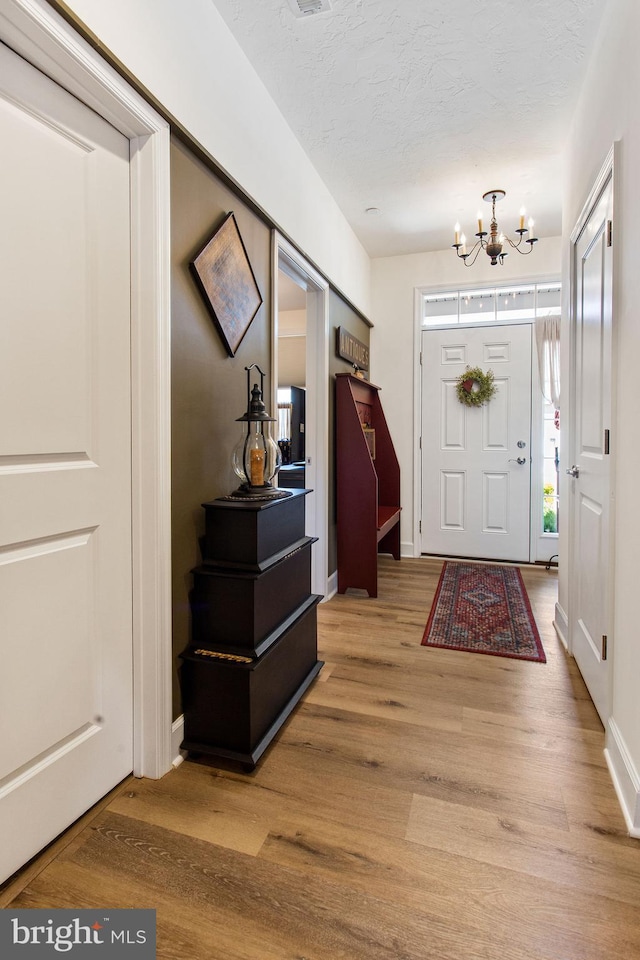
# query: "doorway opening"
292,380
301,383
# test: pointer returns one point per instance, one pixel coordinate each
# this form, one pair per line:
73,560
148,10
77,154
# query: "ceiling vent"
306,8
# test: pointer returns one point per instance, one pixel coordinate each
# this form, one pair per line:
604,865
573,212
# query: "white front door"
65,461
476,461
590,543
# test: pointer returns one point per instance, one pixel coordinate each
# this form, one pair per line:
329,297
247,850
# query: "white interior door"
476,461
65,461
590,543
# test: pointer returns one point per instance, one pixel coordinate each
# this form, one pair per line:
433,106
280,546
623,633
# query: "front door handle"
573,471
520,460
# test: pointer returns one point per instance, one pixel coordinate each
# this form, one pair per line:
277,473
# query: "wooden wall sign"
351,349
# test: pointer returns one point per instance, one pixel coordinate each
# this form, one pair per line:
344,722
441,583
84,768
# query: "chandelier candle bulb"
456,231
464,244
531,222
479,216
522,216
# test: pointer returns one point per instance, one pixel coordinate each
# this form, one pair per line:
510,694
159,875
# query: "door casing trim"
35,31
606,175
288,258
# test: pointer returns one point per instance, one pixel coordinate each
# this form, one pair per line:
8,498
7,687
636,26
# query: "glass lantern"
257,457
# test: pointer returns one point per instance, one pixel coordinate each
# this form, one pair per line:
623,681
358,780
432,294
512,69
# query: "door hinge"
421,358
609,233
420,442
420,526
604,646
606,442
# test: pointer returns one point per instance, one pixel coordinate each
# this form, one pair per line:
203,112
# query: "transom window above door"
490,304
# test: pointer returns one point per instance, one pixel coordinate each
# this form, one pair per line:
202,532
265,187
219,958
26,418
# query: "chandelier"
494,246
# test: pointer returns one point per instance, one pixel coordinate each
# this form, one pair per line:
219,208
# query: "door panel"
65,461
494,502
495,419
453,421
475,496
453,486
60,566
497,351
589,577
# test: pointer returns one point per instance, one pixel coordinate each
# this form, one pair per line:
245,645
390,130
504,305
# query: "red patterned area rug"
483,608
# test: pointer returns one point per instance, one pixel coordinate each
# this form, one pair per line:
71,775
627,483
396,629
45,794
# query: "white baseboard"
177,736
407,549
332,586
561,623
626,779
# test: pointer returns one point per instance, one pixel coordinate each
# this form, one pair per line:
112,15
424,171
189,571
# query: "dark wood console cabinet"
368,485
253,651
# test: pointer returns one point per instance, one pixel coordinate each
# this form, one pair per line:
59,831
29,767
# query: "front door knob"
573,471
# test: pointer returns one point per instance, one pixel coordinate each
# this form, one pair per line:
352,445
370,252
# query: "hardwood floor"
420,804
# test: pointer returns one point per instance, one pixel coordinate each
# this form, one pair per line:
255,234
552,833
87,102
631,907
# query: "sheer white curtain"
284,421
548,344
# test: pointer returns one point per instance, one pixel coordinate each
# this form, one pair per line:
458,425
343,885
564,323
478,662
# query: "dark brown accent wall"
209,387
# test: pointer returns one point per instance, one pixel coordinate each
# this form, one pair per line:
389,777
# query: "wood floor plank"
280,912
372,699
286,784
593,808
511,910
545,734
193,816
561,857
186,927
435,764
419,804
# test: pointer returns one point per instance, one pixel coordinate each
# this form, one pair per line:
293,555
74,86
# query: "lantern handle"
262,376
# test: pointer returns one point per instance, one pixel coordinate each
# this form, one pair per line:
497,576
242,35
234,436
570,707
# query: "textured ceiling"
418,107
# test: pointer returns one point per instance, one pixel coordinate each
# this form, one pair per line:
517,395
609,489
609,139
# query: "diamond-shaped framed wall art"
227,283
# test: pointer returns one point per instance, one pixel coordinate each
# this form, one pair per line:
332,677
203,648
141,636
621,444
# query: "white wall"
393,283
609,110
292,361
184,54
292,348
